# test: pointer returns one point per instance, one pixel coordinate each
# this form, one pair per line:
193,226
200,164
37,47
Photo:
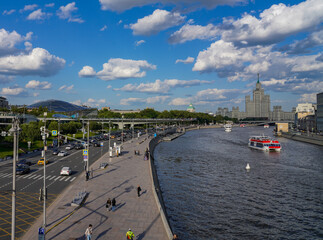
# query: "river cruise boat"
228,127
264,143
266,126
242,125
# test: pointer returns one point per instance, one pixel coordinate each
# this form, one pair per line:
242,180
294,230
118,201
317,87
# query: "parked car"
66,171
62,154
22,169
103,165
41,161
55,151
69,147
24,161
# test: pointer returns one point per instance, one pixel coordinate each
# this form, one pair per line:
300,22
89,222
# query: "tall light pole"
109,136
122,131
88,146
44,189
58,133
15,130
133,129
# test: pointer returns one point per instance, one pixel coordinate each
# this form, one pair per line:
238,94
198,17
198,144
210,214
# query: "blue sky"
165,54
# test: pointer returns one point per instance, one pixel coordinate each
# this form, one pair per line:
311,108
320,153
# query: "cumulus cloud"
158,21
187,60
138,43
30,7
119,6
191,32
50,5
208,96
308,98
37,62
103,28
150,100
37,15
95,102
66,12
117,68
8,12
274,24
161,86
66,88
34,84
14,91
9,40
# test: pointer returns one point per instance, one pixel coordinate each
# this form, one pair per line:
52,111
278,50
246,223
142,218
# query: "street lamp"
122,131
15,130
44,187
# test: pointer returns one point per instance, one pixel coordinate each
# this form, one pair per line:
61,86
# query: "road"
28,205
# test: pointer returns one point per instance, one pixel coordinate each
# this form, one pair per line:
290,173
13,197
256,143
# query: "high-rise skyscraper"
259,106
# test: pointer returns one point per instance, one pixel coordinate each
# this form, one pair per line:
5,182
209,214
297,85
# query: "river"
209,194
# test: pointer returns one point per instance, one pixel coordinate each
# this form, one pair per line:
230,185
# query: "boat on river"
228,127
264,143
266,126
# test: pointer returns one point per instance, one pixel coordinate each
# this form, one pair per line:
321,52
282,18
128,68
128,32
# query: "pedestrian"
88,232
138,190
113,204
130,234
175,237
108,204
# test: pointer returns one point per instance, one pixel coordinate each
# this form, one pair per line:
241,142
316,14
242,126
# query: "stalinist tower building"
259,107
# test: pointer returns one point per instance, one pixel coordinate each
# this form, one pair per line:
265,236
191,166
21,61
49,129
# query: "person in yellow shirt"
130,235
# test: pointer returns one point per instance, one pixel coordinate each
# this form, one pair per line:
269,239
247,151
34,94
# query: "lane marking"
62,178
67,179
52,177
73,179
57,178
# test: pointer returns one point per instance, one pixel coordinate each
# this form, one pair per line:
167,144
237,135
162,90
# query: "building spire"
258,78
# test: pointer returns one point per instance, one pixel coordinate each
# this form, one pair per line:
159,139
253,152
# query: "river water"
209,194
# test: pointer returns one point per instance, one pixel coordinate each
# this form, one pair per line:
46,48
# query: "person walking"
138,190
130,234
88,232
108,204
113,204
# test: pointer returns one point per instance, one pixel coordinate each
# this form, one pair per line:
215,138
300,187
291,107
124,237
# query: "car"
79,146
62,154
69,147
41,161
24,161
97,144
103,165
55,151
22,169
66,171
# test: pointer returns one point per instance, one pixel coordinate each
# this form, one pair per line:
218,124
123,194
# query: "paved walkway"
119,180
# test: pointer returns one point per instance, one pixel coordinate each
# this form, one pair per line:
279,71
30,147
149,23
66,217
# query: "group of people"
111,203
147,154
89,231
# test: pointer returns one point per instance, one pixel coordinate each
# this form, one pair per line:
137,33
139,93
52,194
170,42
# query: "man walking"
113,204
130,234
138,190
88,232
108,204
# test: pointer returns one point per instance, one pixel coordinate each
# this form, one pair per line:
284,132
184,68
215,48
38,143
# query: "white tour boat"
264,143
266,126
228,127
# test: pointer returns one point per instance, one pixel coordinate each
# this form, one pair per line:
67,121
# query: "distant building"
224,112
319,112
191,108
4,103
259,106
303,110
124,111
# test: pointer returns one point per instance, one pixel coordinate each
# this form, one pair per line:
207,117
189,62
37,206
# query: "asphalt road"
28,205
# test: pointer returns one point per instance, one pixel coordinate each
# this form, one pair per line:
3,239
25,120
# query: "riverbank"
313,139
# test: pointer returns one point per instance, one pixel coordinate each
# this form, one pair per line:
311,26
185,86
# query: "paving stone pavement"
119,180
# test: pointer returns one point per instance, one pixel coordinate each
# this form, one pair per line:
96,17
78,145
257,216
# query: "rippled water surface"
209,194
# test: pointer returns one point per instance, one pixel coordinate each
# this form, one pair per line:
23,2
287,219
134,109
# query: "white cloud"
50,5
187,60
117,68
119,6
77,102
109,86
138,43
66,12
37,15
308,98
95,102
37,62
66,88
30,7
274,24
103,28
35,94
191,32
8,41
87,71
6,79
8,12
151,100
14,91
159,20
161,86
34,84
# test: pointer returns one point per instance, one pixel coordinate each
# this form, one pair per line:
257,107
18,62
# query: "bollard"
40,194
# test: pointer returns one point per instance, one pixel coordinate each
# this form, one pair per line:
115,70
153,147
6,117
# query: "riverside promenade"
119,180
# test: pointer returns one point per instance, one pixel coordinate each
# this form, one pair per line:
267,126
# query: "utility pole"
133,129
88,147
122,132
15,130
44,187
58,138
109,136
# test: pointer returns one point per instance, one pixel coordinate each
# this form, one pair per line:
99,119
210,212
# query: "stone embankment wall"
155,183
313,139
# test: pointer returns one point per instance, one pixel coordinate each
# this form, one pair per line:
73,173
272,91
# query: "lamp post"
44,187
109,137
88,147
122,131
15,130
